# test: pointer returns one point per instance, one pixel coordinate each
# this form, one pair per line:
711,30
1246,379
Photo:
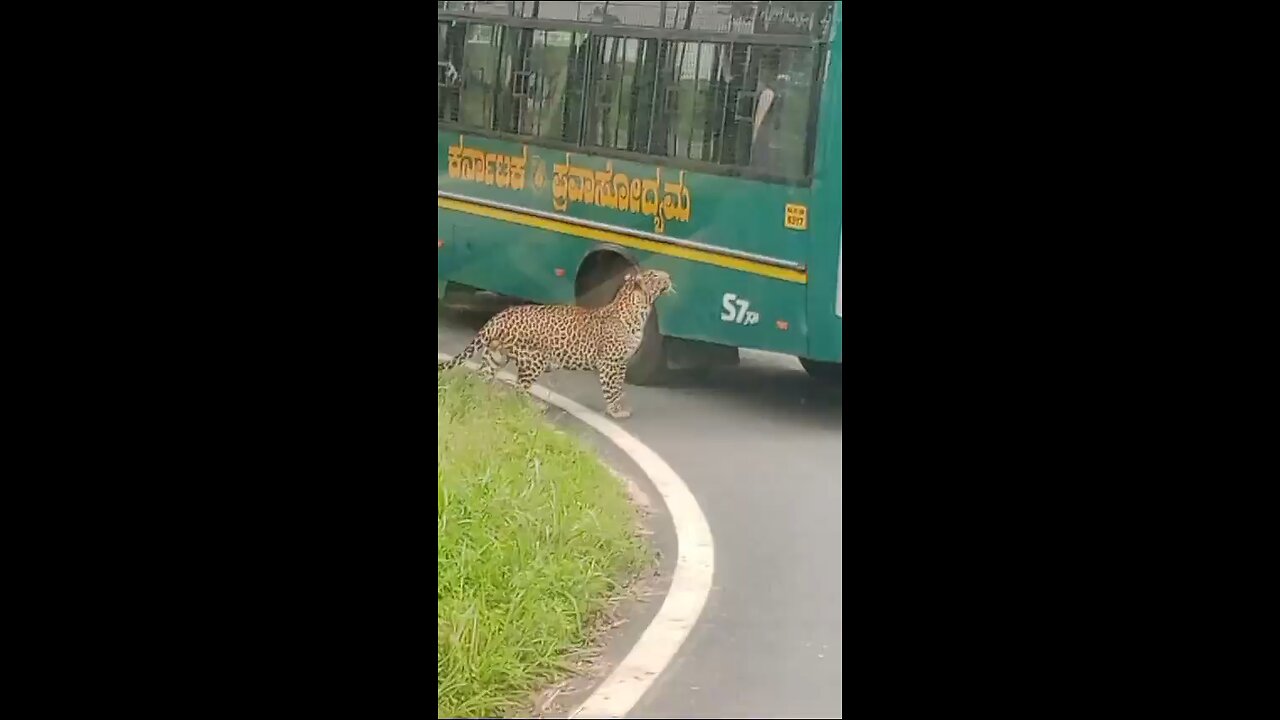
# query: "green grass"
533,537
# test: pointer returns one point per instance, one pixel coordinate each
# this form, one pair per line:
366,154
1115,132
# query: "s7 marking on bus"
736,310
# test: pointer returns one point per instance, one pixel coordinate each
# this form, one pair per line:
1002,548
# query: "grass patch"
533,537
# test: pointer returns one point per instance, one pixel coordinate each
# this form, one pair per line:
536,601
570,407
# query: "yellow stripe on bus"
590,233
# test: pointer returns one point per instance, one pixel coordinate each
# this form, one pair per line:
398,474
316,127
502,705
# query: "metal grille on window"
804,17
740,103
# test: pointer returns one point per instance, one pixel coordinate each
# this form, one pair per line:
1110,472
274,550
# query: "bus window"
449,43
714,102
714,105
780,119
549,67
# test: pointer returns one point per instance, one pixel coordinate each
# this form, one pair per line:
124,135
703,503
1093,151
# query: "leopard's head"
649,284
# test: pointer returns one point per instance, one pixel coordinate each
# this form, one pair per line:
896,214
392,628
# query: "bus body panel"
728,212
711,304
523,241
826,248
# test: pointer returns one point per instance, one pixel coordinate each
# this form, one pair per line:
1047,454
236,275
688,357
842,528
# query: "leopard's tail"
468,351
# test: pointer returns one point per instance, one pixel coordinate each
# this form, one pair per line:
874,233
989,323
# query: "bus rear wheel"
649,365
598,283
825,372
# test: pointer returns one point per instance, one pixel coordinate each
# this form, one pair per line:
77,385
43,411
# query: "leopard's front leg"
612,377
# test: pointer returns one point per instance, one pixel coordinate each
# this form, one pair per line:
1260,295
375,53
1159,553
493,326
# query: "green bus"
578,139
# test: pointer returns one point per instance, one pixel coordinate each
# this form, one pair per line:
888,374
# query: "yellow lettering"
649,199
635,195
559,184
604,186
517,168
575,185
614,190
473,165
490,160
676,204
585,189
620,191
488,168
502,175
455,159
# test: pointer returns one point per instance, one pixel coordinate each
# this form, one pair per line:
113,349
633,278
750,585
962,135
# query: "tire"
825,372
648,366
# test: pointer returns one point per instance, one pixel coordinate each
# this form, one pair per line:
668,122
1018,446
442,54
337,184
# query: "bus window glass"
480,67
780,118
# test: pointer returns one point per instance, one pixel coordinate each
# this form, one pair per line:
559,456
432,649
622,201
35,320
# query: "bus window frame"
820,45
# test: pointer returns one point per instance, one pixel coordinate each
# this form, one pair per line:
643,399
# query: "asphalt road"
760,446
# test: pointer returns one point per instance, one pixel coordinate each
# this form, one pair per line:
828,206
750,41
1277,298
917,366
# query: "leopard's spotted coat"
547,337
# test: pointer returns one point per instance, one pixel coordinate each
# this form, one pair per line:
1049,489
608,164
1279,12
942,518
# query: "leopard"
550,337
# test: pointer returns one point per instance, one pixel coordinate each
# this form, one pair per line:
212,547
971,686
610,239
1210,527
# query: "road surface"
760,446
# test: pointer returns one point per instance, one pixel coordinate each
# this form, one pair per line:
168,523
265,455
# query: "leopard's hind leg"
494,360
530,365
